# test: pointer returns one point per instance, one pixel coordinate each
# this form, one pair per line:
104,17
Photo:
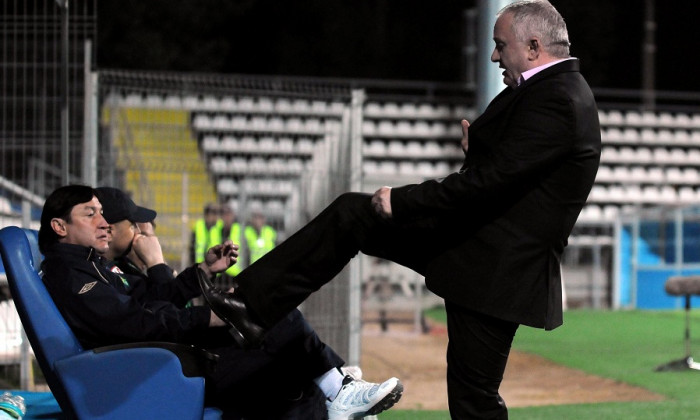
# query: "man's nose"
102,223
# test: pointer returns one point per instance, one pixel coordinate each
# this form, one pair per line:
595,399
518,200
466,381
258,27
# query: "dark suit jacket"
532,159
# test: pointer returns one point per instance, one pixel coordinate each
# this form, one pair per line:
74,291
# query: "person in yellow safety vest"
206,233
230,230
260,238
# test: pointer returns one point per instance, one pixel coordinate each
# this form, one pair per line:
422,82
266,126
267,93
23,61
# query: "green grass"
620,345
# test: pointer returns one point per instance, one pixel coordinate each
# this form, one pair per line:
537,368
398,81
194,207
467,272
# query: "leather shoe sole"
232,310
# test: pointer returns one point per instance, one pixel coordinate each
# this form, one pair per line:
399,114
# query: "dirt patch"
419,361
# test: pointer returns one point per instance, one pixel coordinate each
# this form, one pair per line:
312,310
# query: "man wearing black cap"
126,219
294,375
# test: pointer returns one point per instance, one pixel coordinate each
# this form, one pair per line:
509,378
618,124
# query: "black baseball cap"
117,206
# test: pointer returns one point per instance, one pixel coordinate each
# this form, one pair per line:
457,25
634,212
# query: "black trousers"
284,277
272,382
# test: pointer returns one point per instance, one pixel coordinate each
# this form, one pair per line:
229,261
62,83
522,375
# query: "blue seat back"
49,334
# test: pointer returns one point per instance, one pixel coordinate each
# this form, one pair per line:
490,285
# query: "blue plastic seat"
132,381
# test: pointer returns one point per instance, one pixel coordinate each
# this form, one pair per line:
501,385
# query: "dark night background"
379,39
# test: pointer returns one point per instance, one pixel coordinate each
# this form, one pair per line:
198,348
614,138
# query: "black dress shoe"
231,309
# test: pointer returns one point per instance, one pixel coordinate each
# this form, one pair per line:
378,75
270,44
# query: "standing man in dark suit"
501,222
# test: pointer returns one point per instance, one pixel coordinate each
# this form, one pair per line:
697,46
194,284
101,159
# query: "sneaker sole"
386,403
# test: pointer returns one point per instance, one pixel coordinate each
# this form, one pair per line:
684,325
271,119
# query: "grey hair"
539,18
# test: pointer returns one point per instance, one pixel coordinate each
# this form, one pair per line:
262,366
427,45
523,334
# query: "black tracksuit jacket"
104,306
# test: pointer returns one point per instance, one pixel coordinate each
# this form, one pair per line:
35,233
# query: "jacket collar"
507,95
72,251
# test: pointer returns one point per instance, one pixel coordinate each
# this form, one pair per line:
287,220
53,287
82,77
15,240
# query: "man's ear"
59,226
534,49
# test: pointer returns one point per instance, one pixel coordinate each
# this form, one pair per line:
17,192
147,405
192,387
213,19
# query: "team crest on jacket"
87,287
116,270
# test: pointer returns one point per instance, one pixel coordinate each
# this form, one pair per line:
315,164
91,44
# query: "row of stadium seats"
258,165
663,136
274,123
412,110
648,194
283,105
653,155
648,119
262,145
272,208
245,104
651,175
266,187
392,168
411,150
411,128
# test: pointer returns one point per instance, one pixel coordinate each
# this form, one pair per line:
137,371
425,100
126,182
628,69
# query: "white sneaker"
358,398
354,371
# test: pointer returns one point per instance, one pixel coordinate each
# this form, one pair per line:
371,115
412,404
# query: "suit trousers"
283,278
272,382
477,353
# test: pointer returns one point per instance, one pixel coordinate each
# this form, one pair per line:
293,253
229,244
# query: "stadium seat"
655,175
210,143
630,135
285,144
633,118
611,135
375,148
229,144
648,119
305,145
246,103
695,123
408,110
190,102
604,174
283,105
294,124
373,109
319,107
432,149
133,381
173,102
614,118
421,128
637,174
406,168
425,110
210,103
404,128
439,129
666,119
668,195
621,174
265,104
391,109
228,103
301,106
154,101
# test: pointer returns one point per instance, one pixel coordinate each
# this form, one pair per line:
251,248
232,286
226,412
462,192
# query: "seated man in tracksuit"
289,377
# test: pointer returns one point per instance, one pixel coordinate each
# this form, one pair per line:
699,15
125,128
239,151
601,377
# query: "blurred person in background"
230,229
206,233
488,238
260,237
